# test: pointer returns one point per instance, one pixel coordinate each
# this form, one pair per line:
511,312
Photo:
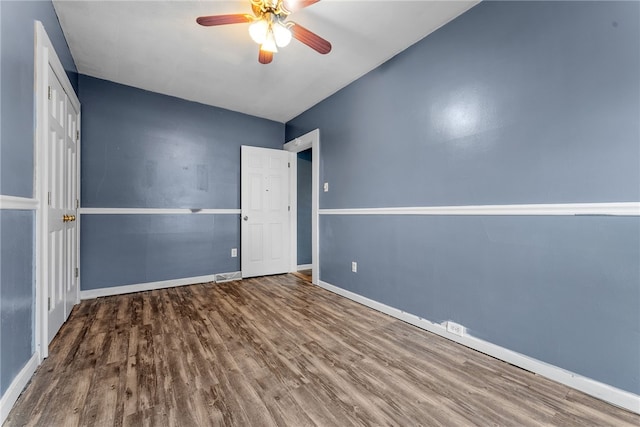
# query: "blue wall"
145,150
547,287
16,293
151,248
304,206
512,102
18,110
17,116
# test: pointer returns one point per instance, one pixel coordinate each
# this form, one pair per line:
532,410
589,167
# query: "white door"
265,211
62,193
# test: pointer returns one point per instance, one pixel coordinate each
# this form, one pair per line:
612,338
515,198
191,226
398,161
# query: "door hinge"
77,135
77,272
288,164
49,304
49,93
49,198
77,204
289,208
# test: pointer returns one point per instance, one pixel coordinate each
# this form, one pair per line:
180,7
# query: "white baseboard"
141,287
13,392
304,267
610,394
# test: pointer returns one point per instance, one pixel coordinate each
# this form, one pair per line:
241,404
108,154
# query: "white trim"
613,395
141,287
293,210
78,203
617,209
43,48
299,144
156,211
315,206
304,142
17,385
18,203
41,63
304,267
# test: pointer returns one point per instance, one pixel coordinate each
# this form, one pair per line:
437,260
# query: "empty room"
319,212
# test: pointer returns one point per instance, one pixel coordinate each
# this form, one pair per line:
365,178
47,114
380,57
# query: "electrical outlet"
326,187
354,266
455,328
234,252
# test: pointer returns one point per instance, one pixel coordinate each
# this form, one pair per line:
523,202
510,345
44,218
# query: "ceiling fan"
269,27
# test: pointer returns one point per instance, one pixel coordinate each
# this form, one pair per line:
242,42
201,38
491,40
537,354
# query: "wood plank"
278,351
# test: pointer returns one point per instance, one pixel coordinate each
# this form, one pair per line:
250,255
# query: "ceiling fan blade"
265,57
311,39
295,5
237,18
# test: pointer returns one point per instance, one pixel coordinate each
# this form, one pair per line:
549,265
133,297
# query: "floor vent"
228,277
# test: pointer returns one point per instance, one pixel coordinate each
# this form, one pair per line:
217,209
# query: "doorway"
308,142
304,169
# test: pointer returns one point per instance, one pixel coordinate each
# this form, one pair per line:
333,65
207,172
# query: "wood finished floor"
278,351
304,275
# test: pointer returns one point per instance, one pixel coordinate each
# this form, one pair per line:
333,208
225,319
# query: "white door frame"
304,142
46,56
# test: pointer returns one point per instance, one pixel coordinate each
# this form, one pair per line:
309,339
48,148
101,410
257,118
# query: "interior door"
62,194
265,211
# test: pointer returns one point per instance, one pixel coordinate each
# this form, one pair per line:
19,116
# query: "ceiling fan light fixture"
269,27
259,30
282,34
269,44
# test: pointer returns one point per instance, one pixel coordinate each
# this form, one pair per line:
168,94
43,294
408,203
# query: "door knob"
246,218
68,218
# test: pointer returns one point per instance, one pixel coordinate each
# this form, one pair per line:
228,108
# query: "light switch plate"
234,252
326,187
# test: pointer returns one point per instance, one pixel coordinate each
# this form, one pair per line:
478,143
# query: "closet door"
61,198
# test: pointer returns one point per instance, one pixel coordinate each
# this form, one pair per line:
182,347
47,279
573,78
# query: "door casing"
296,145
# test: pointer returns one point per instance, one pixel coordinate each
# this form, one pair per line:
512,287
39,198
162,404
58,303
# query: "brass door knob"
68,218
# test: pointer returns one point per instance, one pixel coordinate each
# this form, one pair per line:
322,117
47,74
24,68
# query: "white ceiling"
157,46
